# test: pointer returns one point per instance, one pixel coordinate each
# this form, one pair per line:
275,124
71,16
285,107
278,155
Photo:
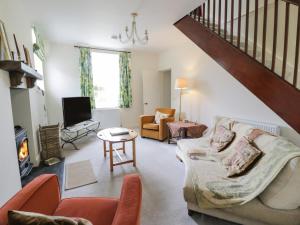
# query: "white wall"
63,80
214,91
13,15
10,181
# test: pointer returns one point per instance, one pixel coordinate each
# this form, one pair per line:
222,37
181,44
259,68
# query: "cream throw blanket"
218,191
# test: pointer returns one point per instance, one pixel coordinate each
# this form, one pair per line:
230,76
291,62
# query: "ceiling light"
132,35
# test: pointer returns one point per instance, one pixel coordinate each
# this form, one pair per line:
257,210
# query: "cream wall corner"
214,91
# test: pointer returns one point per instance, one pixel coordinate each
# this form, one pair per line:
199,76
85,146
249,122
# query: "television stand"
71,134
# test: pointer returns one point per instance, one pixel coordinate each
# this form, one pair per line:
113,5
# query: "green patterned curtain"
125,80
39,46
86,76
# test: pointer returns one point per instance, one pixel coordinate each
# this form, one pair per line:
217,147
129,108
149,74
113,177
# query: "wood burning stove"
23,151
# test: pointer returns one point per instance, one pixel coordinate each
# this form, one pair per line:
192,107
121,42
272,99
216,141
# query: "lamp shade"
181,83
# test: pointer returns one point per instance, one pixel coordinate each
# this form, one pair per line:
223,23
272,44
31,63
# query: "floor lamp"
180,84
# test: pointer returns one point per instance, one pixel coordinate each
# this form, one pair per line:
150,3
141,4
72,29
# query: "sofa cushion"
222,138
151,126
283,192
100,211
30,218
242,158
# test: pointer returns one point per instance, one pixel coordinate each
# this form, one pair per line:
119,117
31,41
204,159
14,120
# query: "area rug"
79,174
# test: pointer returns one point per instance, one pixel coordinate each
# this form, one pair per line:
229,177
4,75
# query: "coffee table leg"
111,156
133,152
124,151
104,147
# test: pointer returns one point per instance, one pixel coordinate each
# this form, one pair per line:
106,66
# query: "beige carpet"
79,174
162,178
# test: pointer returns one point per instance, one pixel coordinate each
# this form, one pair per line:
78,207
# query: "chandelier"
132,36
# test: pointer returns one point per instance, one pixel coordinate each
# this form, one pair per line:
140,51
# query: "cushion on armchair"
159,116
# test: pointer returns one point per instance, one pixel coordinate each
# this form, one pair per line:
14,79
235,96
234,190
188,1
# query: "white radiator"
272,128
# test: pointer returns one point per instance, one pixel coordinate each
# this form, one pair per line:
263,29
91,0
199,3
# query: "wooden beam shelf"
19,70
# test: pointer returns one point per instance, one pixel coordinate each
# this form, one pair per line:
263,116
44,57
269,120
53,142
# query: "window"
106,79
38,64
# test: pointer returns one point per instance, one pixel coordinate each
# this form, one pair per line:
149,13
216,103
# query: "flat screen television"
76,110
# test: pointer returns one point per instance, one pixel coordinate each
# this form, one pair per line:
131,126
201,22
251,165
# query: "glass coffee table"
106,136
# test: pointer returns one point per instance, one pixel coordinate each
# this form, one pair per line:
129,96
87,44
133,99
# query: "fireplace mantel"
20,72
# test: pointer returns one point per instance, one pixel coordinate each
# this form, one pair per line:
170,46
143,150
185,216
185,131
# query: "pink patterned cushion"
221,138
243,156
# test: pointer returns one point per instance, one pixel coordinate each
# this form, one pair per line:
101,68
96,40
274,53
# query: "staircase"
257,42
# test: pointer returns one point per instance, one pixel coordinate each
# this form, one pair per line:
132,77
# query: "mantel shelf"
18,70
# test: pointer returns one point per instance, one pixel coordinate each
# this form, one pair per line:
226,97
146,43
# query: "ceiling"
93,22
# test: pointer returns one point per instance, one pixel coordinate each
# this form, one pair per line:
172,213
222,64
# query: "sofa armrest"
42,195
129,207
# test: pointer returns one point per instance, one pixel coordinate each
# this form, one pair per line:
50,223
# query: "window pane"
106,79
38,64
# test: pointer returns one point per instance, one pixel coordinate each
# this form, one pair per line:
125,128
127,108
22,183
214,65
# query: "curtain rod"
101,49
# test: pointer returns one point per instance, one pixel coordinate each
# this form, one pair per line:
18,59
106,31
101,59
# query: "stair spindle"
286,38
225,20
239,24
204,13
214,14
208,13
231,21
199,14
255,29
264,31
247,26
275,35
295,78
219,17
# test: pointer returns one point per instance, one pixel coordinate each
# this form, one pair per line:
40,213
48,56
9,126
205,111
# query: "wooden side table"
179,129
105,136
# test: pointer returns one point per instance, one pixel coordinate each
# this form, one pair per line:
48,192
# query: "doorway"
156,90
166,89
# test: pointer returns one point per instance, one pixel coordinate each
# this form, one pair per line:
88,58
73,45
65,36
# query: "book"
119,131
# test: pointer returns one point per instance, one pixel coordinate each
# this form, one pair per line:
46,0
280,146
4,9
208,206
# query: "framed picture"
5,53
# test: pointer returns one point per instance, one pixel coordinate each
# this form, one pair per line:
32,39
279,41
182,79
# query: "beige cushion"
242,158
151,126
284,191
29,218
159,116
222,138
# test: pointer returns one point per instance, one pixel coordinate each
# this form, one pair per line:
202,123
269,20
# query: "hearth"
23,151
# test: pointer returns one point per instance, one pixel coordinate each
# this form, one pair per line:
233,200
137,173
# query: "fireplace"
23,151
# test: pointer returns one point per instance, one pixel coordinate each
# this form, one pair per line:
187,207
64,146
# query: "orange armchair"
148,127
42,195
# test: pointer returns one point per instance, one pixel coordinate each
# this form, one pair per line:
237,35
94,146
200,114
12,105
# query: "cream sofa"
277,205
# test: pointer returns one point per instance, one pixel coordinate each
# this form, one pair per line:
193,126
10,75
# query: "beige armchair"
150,129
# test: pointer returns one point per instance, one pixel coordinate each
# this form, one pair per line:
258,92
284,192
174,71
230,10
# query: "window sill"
108,108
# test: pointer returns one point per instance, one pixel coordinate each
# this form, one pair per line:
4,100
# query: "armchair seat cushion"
151,126
102,213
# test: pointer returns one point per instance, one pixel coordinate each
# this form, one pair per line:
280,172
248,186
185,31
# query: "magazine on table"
119,131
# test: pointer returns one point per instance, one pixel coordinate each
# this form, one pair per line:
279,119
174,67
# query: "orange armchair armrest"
129,207
147,119
166,120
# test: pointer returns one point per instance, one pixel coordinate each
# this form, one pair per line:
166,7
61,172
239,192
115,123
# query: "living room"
175,66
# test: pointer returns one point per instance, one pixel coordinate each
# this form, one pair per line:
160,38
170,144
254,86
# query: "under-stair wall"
206,28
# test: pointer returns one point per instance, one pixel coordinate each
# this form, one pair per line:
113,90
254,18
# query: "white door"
151,91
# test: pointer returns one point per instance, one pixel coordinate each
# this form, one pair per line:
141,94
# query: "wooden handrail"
228,27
